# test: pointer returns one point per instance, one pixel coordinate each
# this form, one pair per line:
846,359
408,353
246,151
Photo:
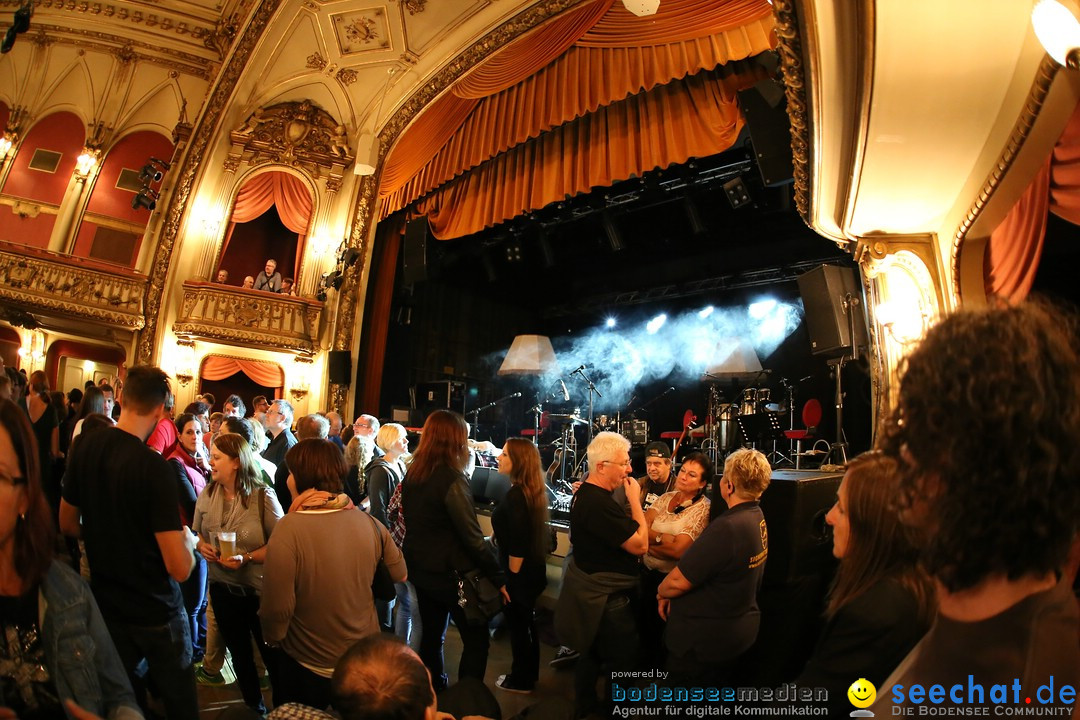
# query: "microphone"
565,392
517,394
580,368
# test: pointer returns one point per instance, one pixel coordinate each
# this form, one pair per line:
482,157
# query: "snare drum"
749,404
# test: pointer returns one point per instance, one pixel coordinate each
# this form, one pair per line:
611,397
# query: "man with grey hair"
312,426
594,613
335,429
366,428
279,419
269,279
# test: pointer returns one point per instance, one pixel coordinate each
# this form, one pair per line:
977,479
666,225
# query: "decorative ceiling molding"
299,134
360,31
791,63
126,50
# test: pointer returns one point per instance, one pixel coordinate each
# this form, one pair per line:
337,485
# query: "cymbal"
568,419
776,408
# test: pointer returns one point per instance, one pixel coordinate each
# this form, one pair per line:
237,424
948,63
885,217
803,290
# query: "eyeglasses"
356,425
623,463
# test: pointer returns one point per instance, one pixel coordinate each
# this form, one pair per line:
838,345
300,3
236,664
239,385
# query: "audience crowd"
328,561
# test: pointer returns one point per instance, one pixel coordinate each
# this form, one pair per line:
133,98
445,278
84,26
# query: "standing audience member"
320,564
366,427
249,282
56,646
93,402
279,419
287,286
985,432
355,487
110,400
524,540
594,613
215,427
268,278
312,426
710,599
335,429
881,602
259,406
207,398
442,538
383,475
234,407
658,478
121,497
237,502
67,425
46,425
676,519
222,277
163,439
201,410
191,465
5,387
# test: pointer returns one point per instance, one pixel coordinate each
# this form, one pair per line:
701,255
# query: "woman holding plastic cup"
234,517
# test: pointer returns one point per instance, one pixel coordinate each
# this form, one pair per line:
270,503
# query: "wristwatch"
247,558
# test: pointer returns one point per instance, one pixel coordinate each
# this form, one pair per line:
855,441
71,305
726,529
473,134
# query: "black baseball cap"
658,449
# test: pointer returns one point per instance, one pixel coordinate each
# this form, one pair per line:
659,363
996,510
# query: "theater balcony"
43,282
247,318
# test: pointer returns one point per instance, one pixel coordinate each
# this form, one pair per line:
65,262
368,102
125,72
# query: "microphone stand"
592,389
476,412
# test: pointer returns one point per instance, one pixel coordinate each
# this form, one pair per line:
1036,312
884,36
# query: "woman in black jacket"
442,537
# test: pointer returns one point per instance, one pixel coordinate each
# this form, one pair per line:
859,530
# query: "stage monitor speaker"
823,290
489,485
441,395
414,257
800,542
765,109
339,365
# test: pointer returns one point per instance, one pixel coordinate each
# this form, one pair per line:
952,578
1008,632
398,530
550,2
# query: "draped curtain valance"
1015,247
218,367
616,63
292,199
694,117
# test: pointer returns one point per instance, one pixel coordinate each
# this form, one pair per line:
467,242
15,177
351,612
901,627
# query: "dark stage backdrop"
253,243
236,384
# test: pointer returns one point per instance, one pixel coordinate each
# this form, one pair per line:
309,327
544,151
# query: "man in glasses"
366,428
279,419
594,614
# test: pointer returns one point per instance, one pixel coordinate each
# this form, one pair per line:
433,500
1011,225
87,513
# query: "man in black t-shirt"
594,613
658,477
121,497
710,599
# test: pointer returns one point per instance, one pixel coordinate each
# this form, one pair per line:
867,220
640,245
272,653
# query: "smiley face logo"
862,693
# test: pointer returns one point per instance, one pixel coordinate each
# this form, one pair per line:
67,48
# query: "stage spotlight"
145,198
334,280
705,312
321,296
351,256
655,324
20,23
760,310
610,322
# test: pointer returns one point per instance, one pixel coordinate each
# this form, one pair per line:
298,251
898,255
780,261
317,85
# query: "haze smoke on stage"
621,359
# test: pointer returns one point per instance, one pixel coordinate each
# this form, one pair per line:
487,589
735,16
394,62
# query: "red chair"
811,418
545,423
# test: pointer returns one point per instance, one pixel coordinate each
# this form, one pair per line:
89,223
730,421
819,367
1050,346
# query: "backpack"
395,518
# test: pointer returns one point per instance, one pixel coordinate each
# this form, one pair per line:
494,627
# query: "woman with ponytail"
524,540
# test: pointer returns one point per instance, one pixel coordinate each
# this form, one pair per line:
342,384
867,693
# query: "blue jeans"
407,624
194,591
167,651
614,648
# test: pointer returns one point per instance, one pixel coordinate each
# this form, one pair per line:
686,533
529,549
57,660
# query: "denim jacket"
81,658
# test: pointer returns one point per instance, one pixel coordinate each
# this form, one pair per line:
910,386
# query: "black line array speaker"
339,365
414,257
800,542
765,108
823,291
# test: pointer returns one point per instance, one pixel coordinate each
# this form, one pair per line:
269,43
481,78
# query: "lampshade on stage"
734,359
529,355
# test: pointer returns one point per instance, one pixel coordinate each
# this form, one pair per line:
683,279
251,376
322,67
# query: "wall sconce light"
185,362
5,146
86,162
1059,32
300,383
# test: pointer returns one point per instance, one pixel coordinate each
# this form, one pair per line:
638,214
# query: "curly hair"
986,429
749,471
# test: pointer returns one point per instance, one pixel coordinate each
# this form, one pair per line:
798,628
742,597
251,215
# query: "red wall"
5,113
61,132
131,153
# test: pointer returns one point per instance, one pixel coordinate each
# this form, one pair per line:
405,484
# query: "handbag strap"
378,535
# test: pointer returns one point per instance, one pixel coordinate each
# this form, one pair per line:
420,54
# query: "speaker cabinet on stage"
823,290
442,395
339,366
795,505
414,257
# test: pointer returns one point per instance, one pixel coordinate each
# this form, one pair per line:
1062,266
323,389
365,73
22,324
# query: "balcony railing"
39,280
248,317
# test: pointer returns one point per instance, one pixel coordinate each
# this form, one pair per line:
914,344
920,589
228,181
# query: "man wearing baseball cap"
658,476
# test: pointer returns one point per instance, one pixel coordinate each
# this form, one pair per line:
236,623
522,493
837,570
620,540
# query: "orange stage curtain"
579,81
676,20
292,199
529,53
1015,247
217,367
388,237
1012,256
670,124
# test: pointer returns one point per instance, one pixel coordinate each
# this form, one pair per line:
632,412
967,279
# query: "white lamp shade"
529,355
641,8
734,358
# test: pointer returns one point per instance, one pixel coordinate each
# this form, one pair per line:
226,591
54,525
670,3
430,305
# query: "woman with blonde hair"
238,503
881,602
523,538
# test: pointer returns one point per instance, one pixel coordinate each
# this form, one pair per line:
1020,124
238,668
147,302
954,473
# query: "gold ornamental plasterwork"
243,317
183,62
493,41
1040,88
191,162
299,134
415,7
791,64
181,24
39,284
